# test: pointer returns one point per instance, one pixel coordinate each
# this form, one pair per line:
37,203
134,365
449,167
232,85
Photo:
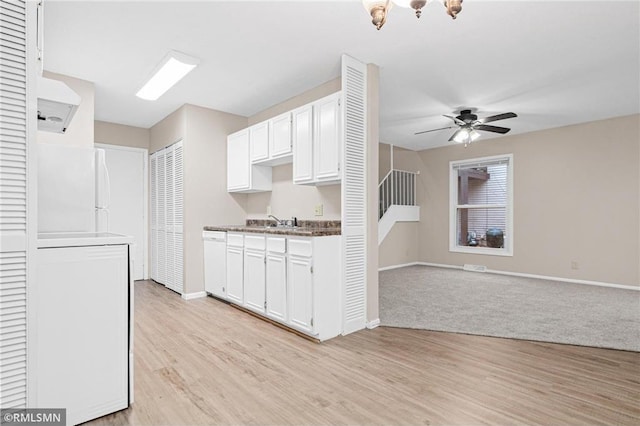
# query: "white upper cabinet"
259,142
280,137
327,137
303,144
317,142
270,141
309,136
242,176
238,160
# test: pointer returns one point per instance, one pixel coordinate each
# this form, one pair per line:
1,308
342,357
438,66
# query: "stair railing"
397,188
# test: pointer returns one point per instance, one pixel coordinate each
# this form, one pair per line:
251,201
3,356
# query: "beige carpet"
453,300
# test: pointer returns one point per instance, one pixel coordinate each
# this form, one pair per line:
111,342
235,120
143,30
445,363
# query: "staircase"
397,201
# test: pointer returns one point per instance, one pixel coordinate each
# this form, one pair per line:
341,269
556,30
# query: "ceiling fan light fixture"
462,135
417,5
473,135
453,7
378,9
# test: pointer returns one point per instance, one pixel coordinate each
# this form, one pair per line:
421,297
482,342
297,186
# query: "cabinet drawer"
235,240
255,242
300,247
276,245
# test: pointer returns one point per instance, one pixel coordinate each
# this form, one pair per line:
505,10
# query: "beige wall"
119,134
206,200
80,130
286,199
168,131
576,199
401,246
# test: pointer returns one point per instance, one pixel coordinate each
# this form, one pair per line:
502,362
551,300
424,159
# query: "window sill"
481,250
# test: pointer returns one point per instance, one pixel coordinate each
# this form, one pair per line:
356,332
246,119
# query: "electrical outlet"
318,210
574,265
268,210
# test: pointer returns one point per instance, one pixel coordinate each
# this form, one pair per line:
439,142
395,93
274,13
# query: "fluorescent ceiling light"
169,71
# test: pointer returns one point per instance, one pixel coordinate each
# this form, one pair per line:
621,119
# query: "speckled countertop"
305,228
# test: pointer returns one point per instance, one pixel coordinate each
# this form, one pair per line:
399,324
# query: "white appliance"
84,324
73,189
57,104
215,262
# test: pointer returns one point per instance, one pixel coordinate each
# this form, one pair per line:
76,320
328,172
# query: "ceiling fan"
468,125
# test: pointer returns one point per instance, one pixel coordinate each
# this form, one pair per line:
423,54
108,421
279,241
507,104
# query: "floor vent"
474,268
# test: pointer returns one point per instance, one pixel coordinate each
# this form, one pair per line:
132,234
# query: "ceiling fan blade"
494,129
455,119
434,130
453,136
498,117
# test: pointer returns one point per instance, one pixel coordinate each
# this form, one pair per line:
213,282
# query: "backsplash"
311,224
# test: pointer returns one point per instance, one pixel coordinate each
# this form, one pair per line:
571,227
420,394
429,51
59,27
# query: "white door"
254,269
280,136
300,287
276,286
326,155
234,274
128,208
259,141
238,160
303,144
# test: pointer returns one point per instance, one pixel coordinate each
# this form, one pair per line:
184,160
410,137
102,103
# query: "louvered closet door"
16,228
162,235
169,218
153,217
354,200
178,218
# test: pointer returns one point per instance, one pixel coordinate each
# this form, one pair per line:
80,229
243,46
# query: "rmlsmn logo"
33,416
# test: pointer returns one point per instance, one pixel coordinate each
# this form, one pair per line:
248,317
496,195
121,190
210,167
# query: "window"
481,206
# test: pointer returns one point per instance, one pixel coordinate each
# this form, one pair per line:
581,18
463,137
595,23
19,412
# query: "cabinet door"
326,141
300,289
235,274
259,141
238,161
215,277
280,136
276,286
303,144
254,280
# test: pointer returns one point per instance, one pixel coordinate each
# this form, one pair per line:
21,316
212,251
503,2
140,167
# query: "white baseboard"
196,295
373,324
523,275
386,268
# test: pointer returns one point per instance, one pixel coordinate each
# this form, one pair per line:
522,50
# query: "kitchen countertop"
306,228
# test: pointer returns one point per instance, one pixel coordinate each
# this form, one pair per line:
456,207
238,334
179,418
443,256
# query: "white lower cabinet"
235,272
254,273
296,281
300,292
276,278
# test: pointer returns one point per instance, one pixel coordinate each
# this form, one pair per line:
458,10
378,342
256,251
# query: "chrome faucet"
281,223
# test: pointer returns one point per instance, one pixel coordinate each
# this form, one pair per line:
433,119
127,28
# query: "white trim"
33,70
388,268
145,153
535,276
195,295
373,323
454,206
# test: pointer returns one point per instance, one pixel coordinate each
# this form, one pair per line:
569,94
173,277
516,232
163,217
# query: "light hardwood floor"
204,362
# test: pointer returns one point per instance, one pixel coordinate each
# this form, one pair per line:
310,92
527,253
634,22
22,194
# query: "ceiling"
553,63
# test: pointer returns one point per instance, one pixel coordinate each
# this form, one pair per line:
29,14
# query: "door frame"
145,183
